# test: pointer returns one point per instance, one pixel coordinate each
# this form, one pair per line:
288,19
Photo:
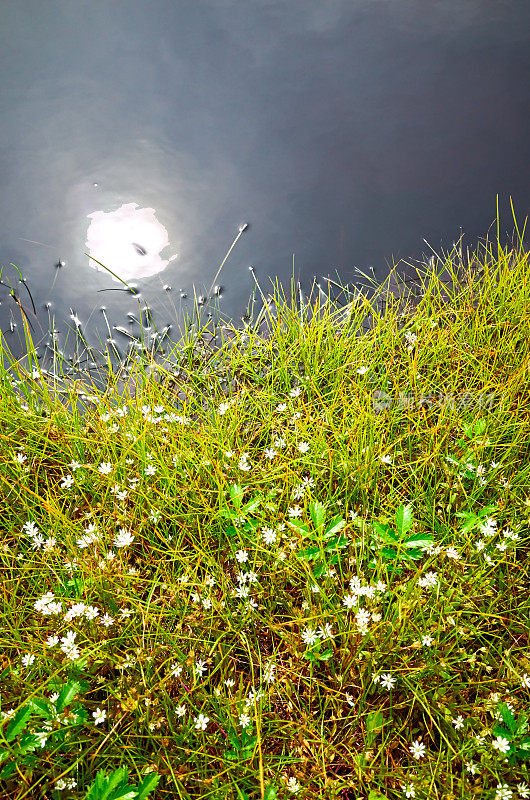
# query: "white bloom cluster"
428,580
47,605
123,538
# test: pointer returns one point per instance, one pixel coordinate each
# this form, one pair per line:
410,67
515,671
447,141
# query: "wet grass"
292,566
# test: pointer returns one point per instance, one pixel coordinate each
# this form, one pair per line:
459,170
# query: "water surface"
345,133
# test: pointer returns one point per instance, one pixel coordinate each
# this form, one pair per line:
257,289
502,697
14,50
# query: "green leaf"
374,721
404,520
124,793
236,494
522,724
499,730
508,717
339,541
271,793
326,655
112,787
318,514
309,553
375,795
318,569
42,707
336,525
67,694
385,533
18,723
251,506
419,540
7,771
148,785
301,527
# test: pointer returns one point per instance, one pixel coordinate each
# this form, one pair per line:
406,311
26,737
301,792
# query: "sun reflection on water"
129,241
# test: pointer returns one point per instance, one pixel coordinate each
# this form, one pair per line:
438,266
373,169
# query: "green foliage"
243,745
116,787
40,712
516,730
394,546
327,539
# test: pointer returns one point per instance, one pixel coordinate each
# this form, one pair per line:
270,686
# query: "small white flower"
350,600
525,681
387,681
303,447
242,556
105,468
386,459
150,469
295,511
67,482
523,790
180,711
293,785
458,722
309,636
489,527
281,407
362,619
200,667
269,536
452,552
270,453
471,768
243,463
428,580
362,370
201,722
42,737
324,631
501,744
294,392
123,538
503,792
427,641
244,720
408,790
107,620
99,716
27,660
417,749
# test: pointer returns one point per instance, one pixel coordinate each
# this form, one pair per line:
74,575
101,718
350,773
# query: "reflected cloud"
128,241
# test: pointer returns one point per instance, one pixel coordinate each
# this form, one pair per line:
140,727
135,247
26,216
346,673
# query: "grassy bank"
311,582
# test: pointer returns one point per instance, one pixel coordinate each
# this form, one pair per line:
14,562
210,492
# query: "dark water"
344,132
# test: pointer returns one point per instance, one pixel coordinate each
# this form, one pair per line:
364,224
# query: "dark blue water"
345,133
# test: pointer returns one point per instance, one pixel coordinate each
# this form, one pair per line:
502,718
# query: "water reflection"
128,241
344,131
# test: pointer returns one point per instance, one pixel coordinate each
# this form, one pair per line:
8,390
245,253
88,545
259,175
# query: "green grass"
270,574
